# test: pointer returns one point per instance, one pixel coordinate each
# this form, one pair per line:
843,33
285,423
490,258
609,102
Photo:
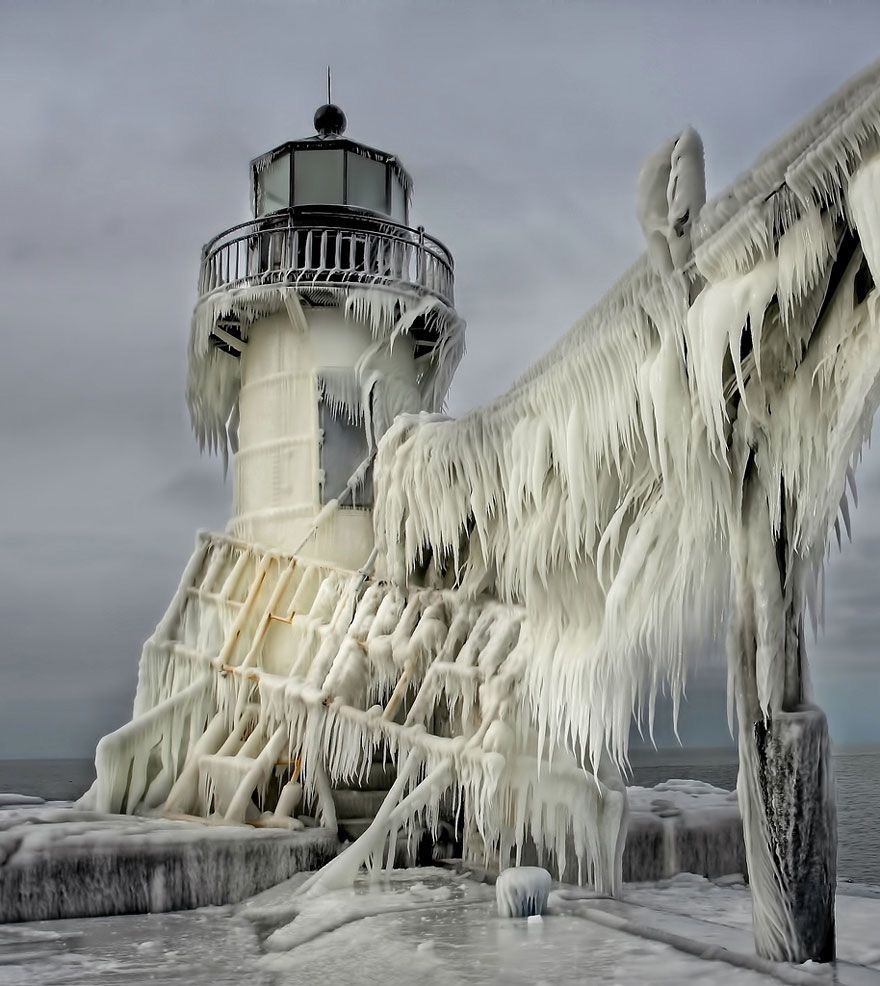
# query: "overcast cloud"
125,132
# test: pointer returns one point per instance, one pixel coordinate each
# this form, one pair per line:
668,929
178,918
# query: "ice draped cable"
603,491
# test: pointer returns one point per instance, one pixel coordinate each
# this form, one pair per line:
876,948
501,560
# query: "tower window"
343,449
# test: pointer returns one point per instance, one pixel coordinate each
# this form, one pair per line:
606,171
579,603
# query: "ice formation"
269,670
671,192
545,563
678,459
213,379
60,861
522,891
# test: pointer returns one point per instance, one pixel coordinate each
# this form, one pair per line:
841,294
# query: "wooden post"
798,798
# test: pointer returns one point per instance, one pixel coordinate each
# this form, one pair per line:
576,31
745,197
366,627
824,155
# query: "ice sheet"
425,926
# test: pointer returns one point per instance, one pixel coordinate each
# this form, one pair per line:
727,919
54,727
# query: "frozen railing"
310,247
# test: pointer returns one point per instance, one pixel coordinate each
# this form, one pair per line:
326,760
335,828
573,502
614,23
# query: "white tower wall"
277,470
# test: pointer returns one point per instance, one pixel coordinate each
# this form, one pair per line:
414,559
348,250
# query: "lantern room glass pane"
398,200
275,185
317,177
366,183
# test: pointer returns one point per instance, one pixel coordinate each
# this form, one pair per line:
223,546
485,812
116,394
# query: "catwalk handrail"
316,247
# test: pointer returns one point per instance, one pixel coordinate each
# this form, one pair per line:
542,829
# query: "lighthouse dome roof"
330,120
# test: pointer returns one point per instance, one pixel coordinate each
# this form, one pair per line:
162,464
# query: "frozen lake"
428,927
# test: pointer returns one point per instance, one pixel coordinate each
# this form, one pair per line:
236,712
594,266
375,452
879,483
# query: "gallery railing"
313,247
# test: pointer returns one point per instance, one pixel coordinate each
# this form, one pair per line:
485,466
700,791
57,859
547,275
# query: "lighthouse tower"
318,321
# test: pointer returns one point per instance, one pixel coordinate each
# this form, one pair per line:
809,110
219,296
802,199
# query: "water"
858,792
54,780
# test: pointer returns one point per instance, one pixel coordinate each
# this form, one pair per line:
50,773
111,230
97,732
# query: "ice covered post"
318,321
788,306
785,785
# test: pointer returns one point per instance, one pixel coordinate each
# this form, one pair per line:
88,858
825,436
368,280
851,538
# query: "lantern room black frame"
393,169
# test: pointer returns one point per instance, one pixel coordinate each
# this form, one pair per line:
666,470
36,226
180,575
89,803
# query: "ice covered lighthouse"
534,572
294,675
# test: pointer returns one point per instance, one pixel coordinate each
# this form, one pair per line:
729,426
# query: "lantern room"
329,169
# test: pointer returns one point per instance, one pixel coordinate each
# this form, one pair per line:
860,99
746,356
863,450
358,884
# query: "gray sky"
125,132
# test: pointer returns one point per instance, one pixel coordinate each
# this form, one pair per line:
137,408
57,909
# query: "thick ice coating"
688,445
522,891
268,670
544,564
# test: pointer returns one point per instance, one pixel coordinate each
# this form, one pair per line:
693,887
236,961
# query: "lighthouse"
301,674
318,321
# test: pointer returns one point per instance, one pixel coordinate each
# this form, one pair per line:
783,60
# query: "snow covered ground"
435,928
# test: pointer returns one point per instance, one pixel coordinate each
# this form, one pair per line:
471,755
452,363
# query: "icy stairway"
357,803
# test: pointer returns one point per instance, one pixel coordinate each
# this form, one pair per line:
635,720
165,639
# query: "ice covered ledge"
682,826
57,861
678,826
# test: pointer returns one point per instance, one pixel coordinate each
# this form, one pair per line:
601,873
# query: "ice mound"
59,861
679,826
682,826
17,800
522,891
